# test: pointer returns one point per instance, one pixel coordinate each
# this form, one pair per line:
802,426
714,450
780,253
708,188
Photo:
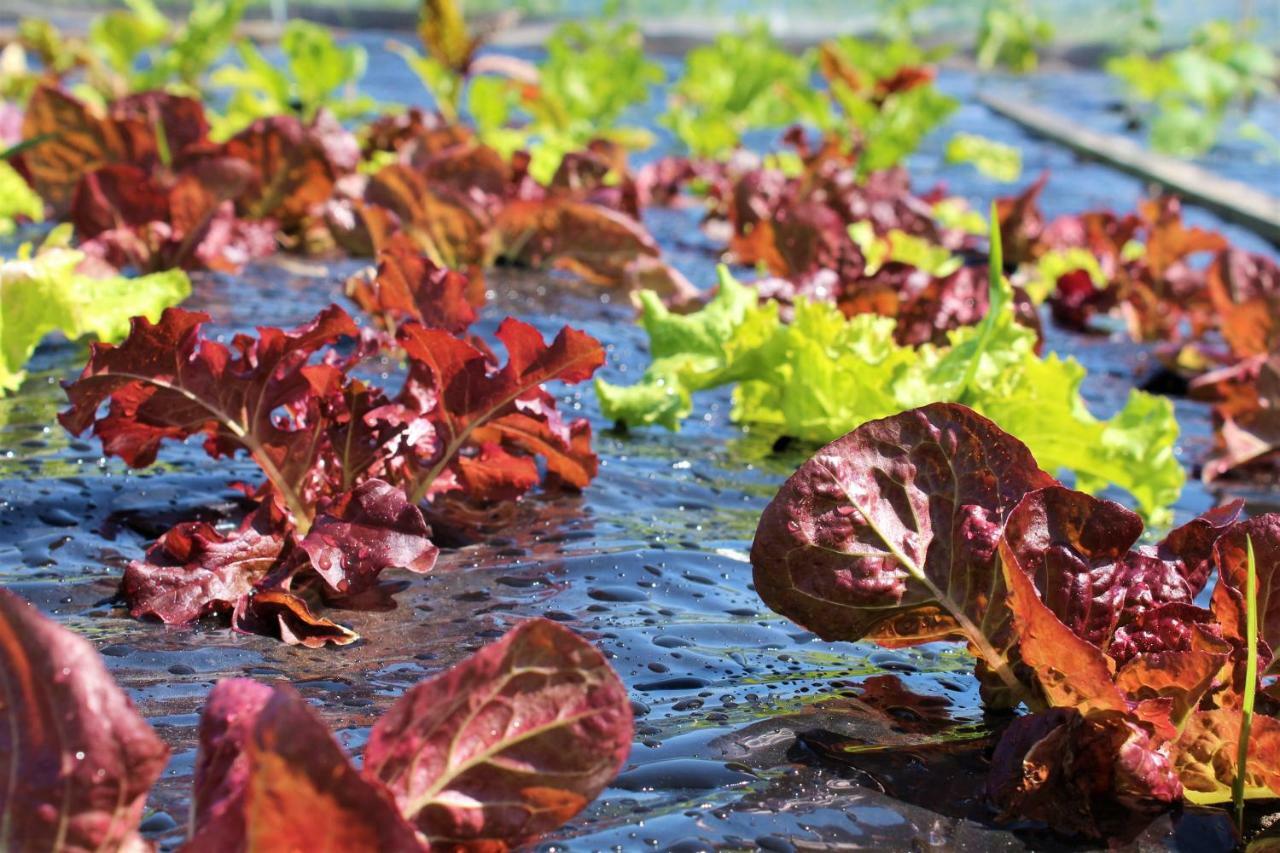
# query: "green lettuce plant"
994,159
318,73
738,83
1187,95
1011,35
147,51
822,374
41,291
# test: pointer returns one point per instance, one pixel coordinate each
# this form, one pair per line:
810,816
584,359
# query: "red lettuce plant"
345,463
147,188
1215,304
495,752
466,207
1150,263
801,229
933,525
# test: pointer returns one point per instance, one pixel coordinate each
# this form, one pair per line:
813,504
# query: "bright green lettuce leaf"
16,199
688,352
901,247
318,73
953,212
1056,263
738,83
893,128
821,375
994,159
42,293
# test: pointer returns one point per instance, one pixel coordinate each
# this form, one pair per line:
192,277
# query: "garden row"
901,326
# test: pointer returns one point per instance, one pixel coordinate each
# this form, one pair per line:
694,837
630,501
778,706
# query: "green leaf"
994,159
43,293
822,375
318,74
738,83
16,199
1056,263
688,352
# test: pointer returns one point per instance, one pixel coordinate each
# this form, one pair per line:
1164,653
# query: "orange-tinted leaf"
1072,672
1206,754
270,776
408,286
508,744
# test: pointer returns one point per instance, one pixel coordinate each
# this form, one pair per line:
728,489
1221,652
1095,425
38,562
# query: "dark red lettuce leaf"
1080,550
167,383
79,758
73,141
408,286
289,618
293,171
365,531
508,744
1228,595
270,776
193,570
902,515
1090,775
1074,546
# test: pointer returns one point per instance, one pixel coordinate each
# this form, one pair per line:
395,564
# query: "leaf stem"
1250,684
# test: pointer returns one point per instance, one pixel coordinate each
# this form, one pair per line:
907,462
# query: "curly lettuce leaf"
43,293
821,375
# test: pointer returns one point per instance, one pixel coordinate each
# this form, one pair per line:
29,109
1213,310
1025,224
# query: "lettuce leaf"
16,199
43,292
821,375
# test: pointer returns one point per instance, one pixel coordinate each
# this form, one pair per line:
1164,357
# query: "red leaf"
79,758
508,744
75,142
270,776
408,286
451,383
901,516
1228,595
287,617
292,171
1074,546
164,382
1080,774
1072,672
367,530
194,570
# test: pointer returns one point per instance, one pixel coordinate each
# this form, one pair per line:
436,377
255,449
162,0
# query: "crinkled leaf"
78,759
451,382
45,293
1071,671
1206,756
1085,775
822,374
364,532
193,570
408,286
166,383
289,618
506,745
